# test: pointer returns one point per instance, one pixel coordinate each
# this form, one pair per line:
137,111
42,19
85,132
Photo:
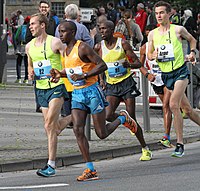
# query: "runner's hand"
55,75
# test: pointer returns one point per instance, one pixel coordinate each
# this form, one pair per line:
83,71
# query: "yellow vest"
44,55
113,59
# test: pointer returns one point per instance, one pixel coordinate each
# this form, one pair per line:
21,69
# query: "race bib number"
116,69
165,53
42,69
76,70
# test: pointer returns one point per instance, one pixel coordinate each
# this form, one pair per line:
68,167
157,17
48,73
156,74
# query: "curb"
76,158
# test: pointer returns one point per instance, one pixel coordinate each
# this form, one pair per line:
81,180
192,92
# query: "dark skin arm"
134,62
87,55
97,49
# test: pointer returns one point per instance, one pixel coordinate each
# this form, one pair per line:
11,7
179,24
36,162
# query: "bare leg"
175,101
52,125
191,113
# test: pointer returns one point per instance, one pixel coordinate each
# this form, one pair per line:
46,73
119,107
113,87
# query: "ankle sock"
122,119
166,136
90,165
52,163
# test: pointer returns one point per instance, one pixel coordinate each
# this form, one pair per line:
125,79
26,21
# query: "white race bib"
165,53
42,69
76,70
116,69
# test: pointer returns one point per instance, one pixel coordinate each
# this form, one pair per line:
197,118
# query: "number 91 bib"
116,69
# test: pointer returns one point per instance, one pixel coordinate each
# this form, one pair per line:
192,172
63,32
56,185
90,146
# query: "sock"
166,136
146,147
90,165
52,163
122,119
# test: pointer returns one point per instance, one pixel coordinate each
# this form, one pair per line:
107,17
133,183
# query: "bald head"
109,24
69,25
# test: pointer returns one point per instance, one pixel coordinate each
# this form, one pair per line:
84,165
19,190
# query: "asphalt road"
125,173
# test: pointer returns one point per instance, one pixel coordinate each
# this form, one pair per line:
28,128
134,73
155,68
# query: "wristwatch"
146,75
85,75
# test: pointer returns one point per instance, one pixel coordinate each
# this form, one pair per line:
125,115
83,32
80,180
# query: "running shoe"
25,81
130,122
179,151
146,155
88,175
47,171
165,142
19,81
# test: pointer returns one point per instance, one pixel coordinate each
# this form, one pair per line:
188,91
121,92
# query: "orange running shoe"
130,122
88,175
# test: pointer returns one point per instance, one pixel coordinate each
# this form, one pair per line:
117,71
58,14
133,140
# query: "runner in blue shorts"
82,66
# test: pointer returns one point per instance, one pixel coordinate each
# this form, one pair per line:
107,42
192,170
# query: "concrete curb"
76,158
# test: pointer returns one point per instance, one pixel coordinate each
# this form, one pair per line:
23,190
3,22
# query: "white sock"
52,163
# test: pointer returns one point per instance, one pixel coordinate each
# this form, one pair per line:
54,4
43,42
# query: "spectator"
13,24
112,13
175,17
151,19
191,26
101,11
128,28
141,17
189,23
71,13
55,17
21,54
44,8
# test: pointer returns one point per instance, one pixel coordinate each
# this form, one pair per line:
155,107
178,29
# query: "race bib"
42,69
156,69
116,69
76,70
165,53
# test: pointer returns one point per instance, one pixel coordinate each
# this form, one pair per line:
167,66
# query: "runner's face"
35,27
105,31
65,33
161,15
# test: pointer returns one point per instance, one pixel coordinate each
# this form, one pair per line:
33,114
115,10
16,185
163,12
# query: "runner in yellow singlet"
119,84
44,53
164,45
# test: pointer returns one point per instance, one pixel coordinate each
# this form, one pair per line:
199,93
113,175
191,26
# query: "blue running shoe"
47,171
179,151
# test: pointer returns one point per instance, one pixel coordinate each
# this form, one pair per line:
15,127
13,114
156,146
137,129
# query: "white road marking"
34,186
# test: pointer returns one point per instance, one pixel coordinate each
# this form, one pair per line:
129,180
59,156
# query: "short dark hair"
71,24
111,4
165,4
46,2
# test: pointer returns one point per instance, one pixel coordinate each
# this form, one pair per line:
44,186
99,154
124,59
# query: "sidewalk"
23,143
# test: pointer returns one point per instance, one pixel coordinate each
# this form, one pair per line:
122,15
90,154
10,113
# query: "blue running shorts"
90,99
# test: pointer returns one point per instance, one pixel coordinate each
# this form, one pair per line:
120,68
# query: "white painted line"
34,186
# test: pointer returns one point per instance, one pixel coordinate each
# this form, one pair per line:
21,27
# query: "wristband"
146,75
